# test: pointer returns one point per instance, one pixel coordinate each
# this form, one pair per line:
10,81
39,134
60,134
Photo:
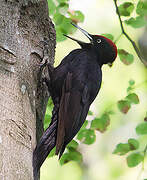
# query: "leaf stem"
117,39
127,36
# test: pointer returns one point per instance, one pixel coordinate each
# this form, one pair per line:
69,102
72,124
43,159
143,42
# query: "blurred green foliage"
62,17
101,123
134,159
125,57
126,8
141,129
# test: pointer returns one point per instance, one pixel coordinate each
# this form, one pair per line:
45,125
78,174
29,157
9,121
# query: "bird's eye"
98,40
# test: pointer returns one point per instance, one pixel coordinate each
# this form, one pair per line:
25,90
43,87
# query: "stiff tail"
43,148
46,143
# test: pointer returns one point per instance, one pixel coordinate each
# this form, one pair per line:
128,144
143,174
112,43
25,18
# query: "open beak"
83,31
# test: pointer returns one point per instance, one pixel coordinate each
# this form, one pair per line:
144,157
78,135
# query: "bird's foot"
44,62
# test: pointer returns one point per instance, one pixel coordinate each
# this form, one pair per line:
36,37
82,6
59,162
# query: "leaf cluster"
134,158
128,8
62,16
124,105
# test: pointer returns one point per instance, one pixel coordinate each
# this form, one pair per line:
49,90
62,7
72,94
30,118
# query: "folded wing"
74,106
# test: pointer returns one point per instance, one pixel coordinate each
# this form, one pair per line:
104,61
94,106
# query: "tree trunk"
23,25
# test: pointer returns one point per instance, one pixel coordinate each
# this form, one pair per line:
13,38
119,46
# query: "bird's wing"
74,106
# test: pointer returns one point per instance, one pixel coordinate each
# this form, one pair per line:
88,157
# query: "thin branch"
127,36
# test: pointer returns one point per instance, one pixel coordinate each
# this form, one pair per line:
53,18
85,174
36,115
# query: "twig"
127,36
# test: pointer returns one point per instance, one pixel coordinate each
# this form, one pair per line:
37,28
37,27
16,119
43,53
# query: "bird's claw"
43,65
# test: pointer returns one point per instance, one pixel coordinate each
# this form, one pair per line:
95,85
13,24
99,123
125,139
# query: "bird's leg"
48,80
42,65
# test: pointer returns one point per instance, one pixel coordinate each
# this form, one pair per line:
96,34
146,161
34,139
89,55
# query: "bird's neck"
94,54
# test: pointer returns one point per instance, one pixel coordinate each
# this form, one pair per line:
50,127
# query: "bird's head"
100,45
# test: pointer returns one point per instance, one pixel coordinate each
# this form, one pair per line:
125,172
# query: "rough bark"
23,25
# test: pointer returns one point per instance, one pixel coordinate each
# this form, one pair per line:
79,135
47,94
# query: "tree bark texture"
23,25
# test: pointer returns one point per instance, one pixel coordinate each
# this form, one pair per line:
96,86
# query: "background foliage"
133,150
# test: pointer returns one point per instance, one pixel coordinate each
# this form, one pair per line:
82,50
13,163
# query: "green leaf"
125,57
84,125
137,22
52,7
66,26
121,149
133,98
48,113
134,159
71,155
58,18
73,144
90,113
131,82
62,8
76,156
141,129
133,143
126,9
65,158
141,8
76,16
52,153
47,120
59,34
87,136
63,26
124,106
109,36
102,123
131,86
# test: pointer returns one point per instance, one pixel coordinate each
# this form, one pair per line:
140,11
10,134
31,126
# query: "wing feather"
73,110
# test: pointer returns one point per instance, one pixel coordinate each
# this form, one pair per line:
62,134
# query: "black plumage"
73,86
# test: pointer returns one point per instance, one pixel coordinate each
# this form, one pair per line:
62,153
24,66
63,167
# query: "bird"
73,86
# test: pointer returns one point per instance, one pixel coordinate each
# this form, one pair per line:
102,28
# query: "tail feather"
47,141
46,144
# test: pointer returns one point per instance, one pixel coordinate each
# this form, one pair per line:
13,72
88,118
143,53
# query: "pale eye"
98,40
